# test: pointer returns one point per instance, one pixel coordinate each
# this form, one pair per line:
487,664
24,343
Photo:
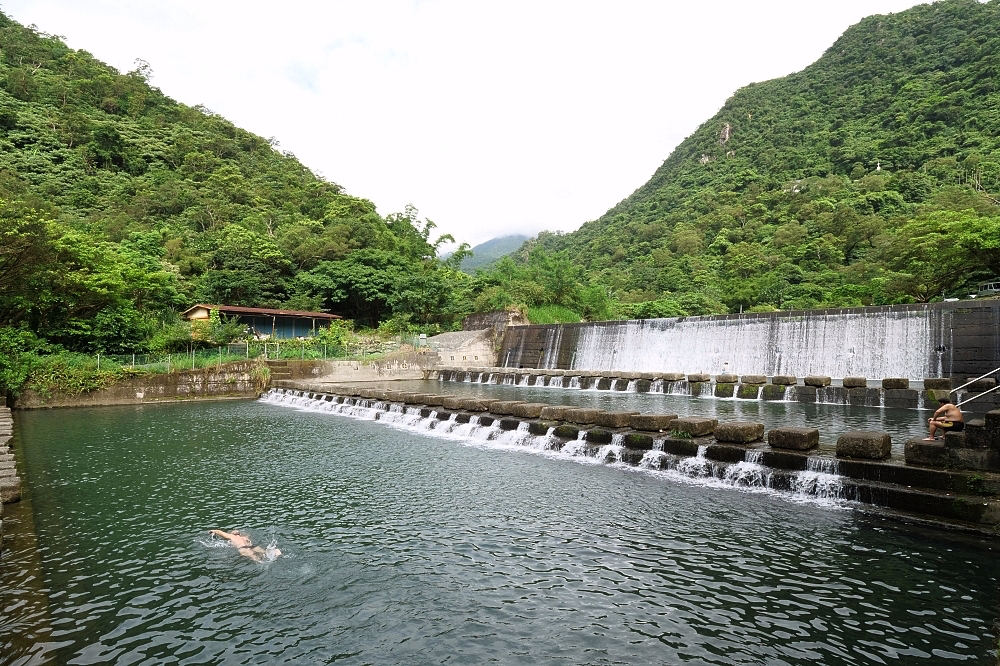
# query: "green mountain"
119,206
872,176
488,252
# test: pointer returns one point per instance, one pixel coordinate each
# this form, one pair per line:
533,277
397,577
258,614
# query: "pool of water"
405,548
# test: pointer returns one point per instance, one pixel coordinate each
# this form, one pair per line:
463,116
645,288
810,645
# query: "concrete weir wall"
916,341
236,380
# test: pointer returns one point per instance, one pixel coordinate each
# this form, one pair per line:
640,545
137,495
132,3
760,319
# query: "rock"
724,390
554,412
505,407
867,444
673,376
566,432
10,489
538,428
642,442
739,432
855,382
817,380
599,436
797,439
937,383
895,383
699,377
748,391
509,423
474,404
451,402
652,422
618,419
753,379
643,385
603,384
980,385
784,380
919,452
582,416
694,426
726,378
773,392
651,376
529,410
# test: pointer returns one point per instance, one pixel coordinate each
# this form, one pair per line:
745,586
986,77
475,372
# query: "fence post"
98,362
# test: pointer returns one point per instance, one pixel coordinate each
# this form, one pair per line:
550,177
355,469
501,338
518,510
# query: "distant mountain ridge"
493,249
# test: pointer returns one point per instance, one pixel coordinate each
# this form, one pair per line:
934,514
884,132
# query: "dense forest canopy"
871,177
120,206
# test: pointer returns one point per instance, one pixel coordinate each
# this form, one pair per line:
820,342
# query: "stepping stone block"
919,452
817,380
726,379
855,382
699,377
739,432
694,426
474,404
797,439
867,444
895,383
505,407
451,402
753,379
724,390
783,380
673,376
650,376
652,422
619,419
980,385
937,383
582,416
566,432
748,391
554,412
529,410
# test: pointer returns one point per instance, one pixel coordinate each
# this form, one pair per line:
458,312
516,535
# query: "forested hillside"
119,207
871,177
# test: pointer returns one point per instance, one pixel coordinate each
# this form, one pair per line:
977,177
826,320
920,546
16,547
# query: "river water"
409,548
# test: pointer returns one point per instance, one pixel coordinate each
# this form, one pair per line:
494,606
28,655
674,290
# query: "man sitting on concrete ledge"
948,418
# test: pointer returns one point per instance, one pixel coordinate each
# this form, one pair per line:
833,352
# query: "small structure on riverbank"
266,323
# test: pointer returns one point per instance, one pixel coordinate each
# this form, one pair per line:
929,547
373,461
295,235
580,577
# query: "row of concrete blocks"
855,444
819,381
10,484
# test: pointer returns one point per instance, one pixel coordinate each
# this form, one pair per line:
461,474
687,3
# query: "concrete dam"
959,339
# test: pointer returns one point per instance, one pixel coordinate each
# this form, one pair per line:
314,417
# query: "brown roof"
237,310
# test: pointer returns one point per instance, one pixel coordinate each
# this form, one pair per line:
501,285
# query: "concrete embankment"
406,365
738,453
245,379
10,483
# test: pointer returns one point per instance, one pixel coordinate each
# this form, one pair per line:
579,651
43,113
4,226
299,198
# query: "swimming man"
245,547
948,418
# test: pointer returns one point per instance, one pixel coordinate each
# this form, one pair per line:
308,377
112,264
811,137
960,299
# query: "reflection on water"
405,549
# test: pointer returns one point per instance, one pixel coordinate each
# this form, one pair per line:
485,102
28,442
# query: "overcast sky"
490,117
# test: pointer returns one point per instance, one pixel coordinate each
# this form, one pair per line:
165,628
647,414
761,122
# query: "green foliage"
860,180
551,314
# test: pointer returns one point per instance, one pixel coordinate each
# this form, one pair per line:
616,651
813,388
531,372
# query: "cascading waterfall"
574,382
524,380
556,382
819,482
632,385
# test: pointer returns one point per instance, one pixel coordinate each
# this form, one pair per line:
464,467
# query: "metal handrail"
978,395
968,383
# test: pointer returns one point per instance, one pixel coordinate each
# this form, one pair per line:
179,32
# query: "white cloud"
492,118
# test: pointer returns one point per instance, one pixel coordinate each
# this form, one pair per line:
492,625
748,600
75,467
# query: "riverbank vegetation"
871,177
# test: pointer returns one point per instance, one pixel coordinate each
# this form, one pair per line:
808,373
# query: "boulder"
784,380
694,426
753,379
895,383
867,444
652,422
739,432
748,391
617,419
920,452
538,428
855,382
773,391
797,439
555,412
817,380
699,377
937,383
474,404
504,407
724,390
529,410
726,378
980,385
673,376
451,402
581,416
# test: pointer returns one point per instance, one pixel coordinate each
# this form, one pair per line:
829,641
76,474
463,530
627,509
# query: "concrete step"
10,489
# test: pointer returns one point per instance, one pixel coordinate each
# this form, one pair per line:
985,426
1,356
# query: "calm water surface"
410,549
